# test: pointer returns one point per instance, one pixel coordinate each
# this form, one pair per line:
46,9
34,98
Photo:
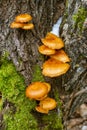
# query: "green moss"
79,18
37,74
17,116
53,120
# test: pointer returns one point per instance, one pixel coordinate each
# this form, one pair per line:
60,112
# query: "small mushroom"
61,56
52,41
48,104
23,18
54,68
28,26
41,110
46,50
16,25
37,90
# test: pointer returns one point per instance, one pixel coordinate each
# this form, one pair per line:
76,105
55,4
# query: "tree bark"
75,81
23,45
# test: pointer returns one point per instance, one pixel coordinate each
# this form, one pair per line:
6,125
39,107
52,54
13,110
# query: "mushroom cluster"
39,91
46,104
22,21
57,64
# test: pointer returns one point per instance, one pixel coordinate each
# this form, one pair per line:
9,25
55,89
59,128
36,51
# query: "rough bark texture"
22,45
75,81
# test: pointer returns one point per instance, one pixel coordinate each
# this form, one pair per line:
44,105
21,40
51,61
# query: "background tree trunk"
73,31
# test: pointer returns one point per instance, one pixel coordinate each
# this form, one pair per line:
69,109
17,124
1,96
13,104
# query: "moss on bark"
16,108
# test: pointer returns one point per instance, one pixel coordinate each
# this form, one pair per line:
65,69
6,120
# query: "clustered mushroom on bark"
22,21
56,65
39,91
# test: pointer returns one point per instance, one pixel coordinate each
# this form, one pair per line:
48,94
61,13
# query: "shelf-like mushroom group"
57,64
22,21
39,91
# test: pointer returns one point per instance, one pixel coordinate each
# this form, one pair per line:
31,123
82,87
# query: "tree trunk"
22,45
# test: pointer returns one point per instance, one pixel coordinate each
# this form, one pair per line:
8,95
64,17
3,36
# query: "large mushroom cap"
41,110
22,18
61,56
49,88
28,26
46,50
52,41
16,25
54,68
48,103
37,90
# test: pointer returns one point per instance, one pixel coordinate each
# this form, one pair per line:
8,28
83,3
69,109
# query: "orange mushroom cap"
61,56
22,18
28,26
54,68
46,50
39,99
48,103
41,110
37,90
52,41
49,88
16,25
48,85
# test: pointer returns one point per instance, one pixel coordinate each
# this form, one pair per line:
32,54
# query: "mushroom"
61,56
37,90
28,26
52,41
21,21
46,50
41,110
48,104
49,88
23,18
39,99
16,25
48,85
45,105
54,68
